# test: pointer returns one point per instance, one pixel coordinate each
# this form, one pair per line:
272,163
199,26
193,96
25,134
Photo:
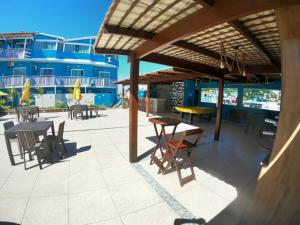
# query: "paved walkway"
97,185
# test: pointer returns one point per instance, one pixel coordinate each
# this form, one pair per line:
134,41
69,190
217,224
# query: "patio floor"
96,184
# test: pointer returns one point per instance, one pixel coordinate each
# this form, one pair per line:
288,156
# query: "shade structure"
2,94
76,93
26,92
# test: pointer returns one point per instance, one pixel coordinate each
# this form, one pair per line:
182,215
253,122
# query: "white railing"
42,80
15,53
58,81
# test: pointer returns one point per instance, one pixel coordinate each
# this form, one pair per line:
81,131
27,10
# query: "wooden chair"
185,146
8,125
55,140
29,145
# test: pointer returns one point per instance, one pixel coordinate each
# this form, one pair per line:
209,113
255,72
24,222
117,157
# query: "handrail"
58,81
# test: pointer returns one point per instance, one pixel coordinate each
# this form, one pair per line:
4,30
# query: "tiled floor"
98,185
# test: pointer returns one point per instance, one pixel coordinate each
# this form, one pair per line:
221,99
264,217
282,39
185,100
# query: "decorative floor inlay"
164,194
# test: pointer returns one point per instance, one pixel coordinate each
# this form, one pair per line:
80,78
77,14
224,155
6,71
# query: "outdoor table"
83,108
192,110
163,122
38,128
31,111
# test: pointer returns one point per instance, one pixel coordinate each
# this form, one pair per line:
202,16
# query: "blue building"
55,63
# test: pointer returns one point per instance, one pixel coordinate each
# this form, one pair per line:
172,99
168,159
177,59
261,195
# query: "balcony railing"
58,81
15,53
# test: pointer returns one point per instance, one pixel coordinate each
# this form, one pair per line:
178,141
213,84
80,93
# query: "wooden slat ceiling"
130,23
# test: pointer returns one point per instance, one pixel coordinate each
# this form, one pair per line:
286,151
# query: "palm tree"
12,92
40,91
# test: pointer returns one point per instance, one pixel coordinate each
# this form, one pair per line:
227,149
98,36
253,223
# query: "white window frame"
46,68
77,69
19,67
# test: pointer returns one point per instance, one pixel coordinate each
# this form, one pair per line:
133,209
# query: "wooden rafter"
113,29
247,34
205,3
222,11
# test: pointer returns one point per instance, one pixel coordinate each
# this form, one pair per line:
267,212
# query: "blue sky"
67,18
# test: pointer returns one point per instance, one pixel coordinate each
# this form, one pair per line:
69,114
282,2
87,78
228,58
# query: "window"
77,48
230,96
210,95
103,74
262,98
19,71
60,46
44,45
19,44
77,72
46,71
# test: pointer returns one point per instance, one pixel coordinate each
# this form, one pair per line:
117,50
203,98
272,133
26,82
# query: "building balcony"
15,53
55,81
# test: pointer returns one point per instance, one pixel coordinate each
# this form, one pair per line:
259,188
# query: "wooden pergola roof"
17,34
187,33
167,76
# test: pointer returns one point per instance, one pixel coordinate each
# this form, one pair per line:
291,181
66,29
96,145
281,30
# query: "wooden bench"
195,110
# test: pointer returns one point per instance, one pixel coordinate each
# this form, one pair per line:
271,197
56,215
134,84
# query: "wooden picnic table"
38,128
163,122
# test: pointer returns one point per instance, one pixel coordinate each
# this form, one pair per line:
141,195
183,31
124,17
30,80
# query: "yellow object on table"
194,110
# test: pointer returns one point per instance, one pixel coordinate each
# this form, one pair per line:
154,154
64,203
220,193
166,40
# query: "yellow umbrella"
2,94
76,92
26,92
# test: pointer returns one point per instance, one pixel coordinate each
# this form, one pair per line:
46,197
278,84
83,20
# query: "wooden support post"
123,97
148,100
133,108
219,109
276,199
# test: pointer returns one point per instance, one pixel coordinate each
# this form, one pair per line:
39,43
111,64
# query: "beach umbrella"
2,94
76,92
26,92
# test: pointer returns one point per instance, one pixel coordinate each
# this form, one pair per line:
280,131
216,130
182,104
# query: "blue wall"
189,96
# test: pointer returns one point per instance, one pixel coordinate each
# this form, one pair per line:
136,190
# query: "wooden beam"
197,49
256,69
133,108
247,34
148,99
111,51
277,196
219,110
222,11
181,63
205,3
113,29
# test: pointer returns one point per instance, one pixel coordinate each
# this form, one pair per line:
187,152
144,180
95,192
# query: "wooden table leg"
158,145
10,154
191,118
52,129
